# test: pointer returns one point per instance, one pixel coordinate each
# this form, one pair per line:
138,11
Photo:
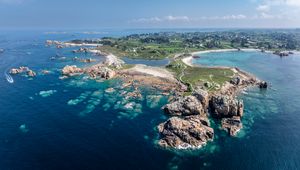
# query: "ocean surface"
48,123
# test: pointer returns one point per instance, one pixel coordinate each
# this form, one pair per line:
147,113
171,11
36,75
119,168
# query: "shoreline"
188,60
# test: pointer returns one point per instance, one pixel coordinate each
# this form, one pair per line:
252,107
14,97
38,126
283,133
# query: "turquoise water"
48,123
271,131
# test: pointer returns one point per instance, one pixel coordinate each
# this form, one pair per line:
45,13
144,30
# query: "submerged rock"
47,93
184,106
232,125
188,132
225,106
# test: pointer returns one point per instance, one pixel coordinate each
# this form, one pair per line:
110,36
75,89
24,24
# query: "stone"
71,70
202,96
263,85
31,73
232,125
184,106
235,81
187,132
100,71
225,106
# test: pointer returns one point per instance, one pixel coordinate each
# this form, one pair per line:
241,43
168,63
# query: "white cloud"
263,8
169,18
291,3
182,19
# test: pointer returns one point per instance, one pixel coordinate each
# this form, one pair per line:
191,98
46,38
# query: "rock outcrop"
184,106
263,85
232,125
113,61
71,70
235,81
81,50
226,106
187,132
100,71
23,69
202,96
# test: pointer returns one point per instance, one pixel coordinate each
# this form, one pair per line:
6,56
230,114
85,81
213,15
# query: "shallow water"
76,124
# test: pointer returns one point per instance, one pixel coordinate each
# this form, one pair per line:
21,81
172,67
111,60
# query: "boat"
9,78
1,50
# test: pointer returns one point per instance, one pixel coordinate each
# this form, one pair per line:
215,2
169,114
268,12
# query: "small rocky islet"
189,108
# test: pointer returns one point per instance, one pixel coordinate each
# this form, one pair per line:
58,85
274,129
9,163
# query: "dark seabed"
48,123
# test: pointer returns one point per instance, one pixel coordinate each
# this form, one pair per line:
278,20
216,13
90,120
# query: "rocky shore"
189,111
180,130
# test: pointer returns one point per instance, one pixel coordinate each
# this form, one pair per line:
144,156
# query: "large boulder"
202,96
184,106
225,106
101,72
187,132
235,81
31,73
232,125
263,85
71,70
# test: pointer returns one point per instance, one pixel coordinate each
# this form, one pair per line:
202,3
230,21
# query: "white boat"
1,50
9,78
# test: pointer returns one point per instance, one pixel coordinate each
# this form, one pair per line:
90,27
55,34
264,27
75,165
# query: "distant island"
196,93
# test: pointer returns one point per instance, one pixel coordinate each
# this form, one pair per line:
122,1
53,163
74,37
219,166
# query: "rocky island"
196,94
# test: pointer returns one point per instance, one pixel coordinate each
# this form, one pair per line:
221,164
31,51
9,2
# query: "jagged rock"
23,69
235,81
19,70
31,73
225,106
100,71
187,132
50,42
114,61
184,106
202,96
232,125
80,50
263,85
71,70
281,53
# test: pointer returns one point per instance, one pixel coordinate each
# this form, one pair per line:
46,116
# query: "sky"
98,14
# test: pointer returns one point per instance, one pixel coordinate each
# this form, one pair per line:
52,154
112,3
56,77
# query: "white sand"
154,71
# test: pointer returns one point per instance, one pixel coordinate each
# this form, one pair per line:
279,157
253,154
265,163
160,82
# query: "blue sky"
149,13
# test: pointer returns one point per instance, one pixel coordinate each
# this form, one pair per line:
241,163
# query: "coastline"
188,60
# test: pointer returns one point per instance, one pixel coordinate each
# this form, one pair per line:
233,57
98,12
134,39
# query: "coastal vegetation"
167,44
209,78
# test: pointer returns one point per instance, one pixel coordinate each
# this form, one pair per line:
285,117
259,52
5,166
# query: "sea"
76,123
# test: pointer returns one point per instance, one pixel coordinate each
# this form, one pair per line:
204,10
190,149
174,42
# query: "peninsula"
196,94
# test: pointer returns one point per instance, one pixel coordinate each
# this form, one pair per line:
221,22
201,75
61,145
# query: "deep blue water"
80,126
